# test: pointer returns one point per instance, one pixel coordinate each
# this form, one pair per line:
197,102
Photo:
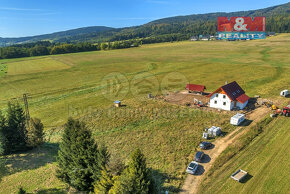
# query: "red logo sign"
241,24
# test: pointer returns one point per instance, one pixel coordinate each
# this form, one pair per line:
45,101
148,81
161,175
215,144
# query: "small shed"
195,88
284,93
117,103
214,131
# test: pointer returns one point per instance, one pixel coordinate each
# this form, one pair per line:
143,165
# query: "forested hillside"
163,30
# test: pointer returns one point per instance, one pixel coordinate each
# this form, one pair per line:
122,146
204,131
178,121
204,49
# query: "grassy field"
266,160
40,65
71,85
3,69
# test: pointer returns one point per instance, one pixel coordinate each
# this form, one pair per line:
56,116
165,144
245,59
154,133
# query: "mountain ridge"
193,24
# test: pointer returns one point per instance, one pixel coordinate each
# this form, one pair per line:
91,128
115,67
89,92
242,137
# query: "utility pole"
27,116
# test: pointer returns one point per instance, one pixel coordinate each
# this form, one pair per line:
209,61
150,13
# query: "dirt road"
192,182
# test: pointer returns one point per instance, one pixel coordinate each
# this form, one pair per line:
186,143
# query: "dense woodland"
46,48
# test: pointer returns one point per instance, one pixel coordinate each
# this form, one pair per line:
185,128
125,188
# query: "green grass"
266,159
3,69
71,85
33,170
35,65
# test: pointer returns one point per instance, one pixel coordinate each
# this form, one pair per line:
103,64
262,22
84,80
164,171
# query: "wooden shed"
194,88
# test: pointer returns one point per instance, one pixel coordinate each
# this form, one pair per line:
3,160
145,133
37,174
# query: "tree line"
47,48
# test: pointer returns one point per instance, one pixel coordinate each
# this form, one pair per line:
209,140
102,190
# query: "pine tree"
78,157
35,133
104,156
3,126
15,132
2,160
105,182
136,178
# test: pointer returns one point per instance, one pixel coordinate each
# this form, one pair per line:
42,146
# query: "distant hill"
62,36
277,19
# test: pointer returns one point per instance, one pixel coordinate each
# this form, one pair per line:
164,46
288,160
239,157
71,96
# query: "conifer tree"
136,178
3,126
15,132
35,133
104,156
78,157
2,160
105,183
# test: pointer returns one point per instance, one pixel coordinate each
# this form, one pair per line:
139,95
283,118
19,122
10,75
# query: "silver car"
192,167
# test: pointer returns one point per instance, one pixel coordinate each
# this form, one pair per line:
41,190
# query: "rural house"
194,38
194,88
228,97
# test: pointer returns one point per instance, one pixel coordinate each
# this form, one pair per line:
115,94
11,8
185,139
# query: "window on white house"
224,96
224,103
215,102
217,95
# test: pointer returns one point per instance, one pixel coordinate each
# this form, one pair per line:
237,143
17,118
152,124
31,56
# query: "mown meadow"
265,159
60,86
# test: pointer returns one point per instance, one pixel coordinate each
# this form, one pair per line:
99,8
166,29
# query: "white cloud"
18,9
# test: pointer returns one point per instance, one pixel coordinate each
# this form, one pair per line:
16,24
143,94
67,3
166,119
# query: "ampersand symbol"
239,26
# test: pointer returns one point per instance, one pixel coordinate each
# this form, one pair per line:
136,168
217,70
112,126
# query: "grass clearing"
35,65
34,171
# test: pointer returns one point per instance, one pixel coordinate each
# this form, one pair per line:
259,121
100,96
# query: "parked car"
205,145
192,168
198,156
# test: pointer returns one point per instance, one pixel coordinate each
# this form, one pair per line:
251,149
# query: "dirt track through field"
192,182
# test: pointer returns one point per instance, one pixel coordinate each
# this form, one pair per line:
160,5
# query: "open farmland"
41,65
71,85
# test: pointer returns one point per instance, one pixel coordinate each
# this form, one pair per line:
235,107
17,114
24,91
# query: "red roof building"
228,97
195,88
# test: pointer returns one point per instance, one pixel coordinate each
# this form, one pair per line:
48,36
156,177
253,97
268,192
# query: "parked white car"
192,168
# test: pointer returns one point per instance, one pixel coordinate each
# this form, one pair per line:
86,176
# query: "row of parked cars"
193,166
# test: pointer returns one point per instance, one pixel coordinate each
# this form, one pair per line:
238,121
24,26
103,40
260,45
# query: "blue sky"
33,17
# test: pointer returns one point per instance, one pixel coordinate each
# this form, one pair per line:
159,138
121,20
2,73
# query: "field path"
191,183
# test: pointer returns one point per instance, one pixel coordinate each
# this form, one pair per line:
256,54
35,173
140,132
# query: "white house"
228,97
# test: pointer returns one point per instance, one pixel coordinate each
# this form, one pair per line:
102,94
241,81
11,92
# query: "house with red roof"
195,88
228,97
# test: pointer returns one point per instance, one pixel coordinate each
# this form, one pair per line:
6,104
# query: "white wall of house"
221,101
242,106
